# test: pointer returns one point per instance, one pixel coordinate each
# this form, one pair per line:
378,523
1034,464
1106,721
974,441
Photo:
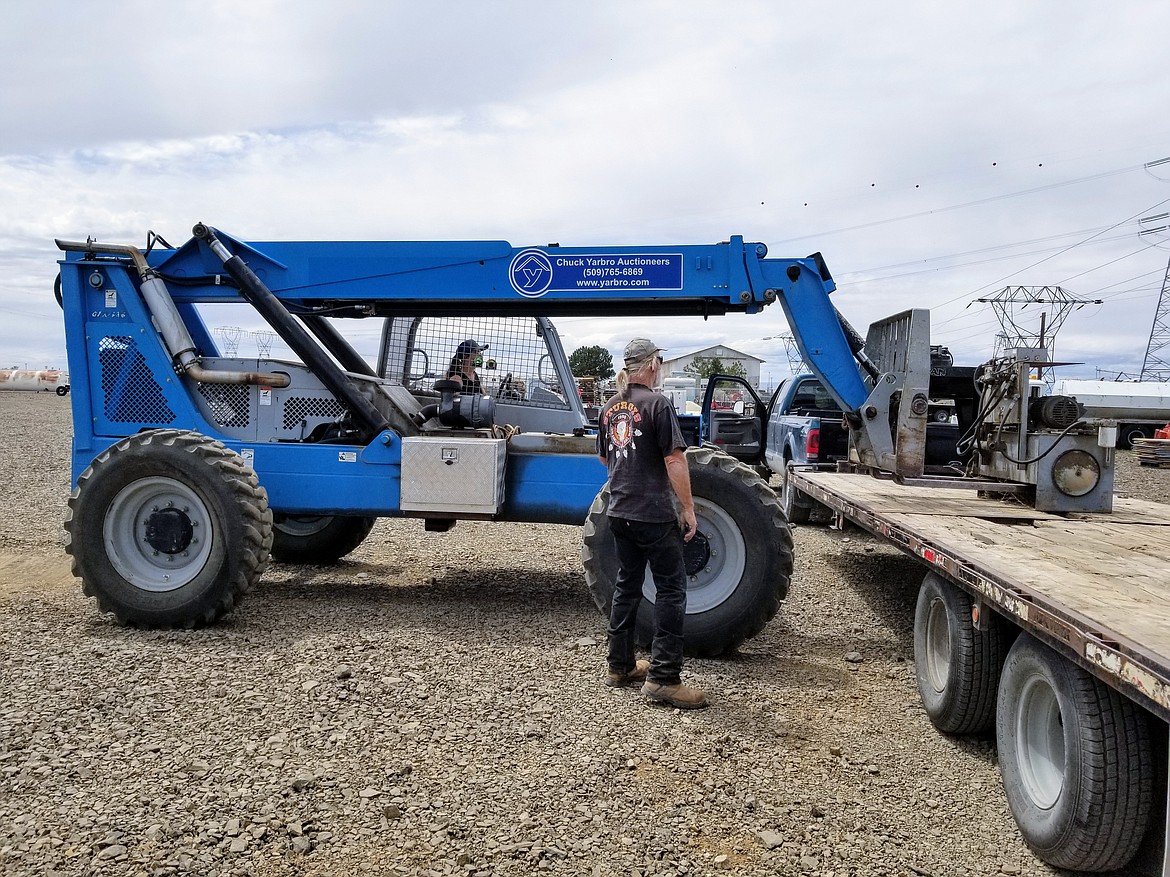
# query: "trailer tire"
1075,757
797,508
63,390
744,576
168,528
317,539
957,667
1131,434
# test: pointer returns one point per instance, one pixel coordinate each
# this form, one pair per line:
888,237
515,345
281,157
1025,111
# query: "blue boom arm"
378,278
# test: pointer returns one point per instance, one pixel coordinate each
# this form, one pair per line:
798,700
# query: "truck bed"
1096,586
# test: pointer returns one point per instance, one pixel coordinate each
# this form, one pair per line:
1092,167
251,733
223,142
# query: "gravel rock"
434,704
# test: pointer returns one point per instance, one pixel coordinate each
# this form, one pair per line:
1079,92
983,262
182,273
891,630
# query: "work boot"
682,696
638,674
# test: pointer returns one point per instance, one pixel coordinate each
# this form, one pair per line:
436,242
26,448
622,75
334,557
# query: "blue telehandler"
194,465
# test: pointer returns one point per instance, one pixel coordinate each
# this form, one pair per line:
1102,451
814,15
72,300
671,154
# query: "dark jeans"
660,545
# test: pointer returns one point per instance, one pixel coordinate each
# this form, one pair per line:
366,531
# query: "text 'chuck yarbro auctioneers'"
534,273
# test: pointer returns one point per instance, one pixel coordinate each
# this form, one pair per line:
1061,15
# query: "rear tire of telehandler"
738,574
317,539
168,528
1076,761
957,666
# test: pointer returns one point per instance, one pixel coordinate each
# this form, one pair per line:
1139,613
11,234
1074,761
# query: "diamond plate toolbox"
453,475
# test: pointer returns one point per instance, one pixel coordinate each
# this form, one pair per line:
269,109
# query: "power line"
976,203
1070,247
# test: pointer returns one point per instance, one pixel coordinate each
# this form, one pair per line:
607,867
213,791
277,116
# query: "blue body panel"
123,381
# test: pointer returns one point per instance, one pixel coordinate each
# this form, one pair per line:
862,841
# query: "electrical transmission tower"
791,352
1155,366
1050,305
264,343
230,338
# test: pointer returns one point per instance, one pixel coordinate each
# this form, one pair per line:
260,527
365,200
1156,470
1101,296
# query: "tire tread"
251,502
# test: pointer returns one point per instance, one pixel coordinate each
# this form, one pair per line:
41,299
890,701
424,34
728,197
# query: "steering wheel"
506,390
426,363
546,371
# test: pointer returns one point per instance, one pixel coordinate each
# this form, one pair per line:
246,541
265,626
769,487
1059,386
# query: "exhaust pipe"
258,295
161,307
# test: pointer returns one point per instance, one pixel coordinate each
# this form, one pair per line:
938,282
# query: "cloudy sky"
934,152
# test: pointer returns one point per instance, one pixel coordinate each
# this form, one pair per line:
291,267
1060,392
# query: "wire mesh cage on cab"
510,357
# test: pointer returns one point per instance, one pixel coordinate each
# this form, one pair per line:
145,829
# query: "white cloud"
808,129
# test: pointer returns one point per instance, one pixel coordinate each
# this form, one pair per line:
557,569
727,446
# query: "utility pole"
1154,366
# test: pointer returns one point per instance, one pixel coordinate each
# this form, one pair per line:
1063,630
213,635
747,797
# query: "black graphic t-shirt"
635,435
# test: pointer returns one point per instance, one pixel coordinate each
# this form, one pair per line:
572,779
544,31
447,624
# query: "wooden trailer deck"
1095,585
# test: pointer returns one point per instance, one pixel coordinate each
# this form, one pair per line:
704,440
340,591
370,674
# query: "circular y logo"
530,273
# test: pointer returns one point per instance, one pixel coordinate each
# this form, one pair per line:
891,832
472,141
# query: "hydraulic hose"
857,346
252,288
161,308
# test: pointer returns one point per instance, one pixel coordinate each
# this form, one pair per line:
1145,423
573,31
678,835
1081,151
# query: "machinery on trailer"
1044,614
192,468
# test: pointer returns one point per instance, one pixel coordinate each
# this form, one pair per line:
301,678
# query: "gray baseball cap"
640,349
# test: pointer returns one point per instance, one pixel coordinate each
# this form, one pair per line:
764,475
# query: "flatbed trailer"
1020,612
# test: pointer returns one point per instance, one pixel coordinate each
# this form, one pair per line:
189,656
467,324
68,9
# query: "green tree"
705,366
591,362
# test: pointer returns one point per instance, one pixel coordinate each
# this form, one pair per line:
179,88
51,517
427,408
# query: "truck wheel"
956,665
739,563
317,539
796,506
168,528
62,390
1075,760
1131,434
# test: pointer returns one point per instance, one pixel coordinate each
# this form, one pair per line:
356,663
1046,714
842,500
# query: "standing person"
463,365
651,513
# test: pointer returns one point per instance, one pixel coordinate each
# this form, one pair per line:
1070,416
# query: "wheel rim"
302,525
1040,734
938,646
158,534
726,552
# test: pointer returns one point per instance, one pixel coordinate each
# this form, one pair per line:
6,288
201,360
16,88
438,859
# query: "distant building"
751,364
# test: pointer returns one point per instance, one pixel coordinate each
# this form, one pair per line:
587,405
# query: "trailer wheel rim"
938,646
134,546
719,578
1040,732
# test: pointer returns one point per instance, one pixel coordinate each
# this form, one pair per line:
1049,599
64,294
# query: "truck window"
812,398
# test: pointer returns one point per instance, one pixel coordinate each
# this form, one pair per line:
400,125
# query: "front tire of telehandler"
168,528
739,564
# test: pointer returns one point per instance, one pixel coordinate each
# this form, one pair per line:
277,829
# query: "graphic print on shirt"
622,428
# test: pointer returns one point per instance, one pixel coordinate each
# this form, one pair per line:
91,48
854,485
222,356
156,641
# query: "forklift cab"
523,366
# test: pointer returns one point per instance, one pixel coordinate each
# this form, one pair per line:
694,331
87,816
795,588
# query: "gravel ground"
433,705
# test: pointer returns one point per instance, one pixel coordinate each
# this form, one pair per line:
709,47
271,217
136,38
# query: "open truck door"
733,418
